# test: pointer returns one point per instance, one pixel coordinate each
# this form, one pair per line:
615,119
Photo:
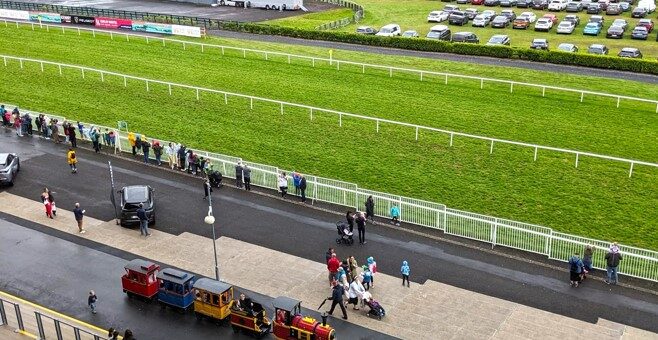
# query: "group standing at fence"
580,267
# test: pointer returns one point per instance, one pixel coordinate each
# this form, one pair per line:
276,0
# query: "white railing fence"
391,70
640,263
281,105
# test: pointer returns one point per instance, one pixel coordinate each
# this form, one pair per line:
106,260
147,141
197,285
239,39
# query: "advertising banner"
142,26
187,31
113,23
78,20
46,17
17,15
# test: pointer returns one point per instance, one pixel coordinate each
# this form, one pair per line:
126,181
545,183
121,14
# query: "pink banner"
113,23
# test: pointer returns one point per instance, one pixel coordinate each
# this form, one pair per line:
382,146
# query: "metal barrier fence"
640,263
359,13
42,326
282,104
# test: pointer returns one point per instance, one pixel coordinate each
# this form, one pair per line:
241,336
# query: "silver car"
9,167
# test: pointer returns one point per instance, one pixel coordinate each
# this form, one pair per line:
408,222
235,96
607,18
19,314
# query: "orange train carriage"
289,323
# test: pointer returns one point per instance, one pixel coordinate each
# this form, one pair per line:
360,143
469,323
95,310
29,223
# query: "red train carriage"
290,324
140,278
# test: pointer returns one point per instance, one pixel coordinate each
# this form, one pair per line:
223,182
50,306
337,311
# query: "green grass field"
597,199
412,15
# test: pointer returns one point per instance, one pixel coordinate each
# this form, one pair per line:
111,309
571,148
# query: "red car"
648,23
552,17
477,2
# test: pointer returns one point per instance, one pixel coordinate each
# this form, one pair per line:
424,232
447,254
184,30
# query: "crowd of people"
580,267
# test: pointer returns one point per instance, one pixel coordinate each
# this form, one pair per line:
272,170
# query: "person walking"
353,265
612,259
405,270
283,184
91,301
355,292
79,215
349,216
327,255
17,124
128,335
95,139
372,267
238,174
588,253
395,215
131,139
146,146
54,128
72,160
143,221
181,157
337,293
367,277
575,268
361,226
370,209
246,176
48,206
157,151
302,187
207,188
171,155
332,266
72,137
295,181
3,111
53,206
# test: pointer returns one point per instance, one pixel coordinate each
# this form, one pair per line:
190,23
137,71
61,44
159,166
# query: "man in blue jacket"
337,298
143,221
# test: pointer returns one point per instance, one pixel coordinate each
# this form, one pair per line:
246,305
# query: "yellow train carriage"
212,299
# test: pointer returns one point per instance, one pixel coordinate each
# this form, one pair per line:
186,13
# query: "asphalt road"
307,233
71,270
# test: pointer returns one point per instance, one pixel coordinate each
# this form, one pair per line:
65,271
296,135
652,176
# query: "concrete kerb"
436,235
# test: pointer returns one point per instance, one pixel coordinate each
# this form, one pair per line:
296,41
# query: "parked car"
438,16
574,6
630,52
639,12
573,18
524,3
649,5
648,23
508,3
540,4
471,13
593,8
465,37
499,39
490,13
367,30
130,199
551,17
539,44
390,30
410,34
532,17
597,19
615,32
603,4
543,24
458,18
640,33
621,23
557,5
592,28
625,6
521,23
492,2
10,165
481,21
613,9
508,13
450,8
566,47
477,2
463,2
597,49
500,21
439,32
565,27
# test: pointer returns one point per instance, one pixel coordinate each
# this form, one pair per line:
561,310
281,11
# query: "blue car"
592,29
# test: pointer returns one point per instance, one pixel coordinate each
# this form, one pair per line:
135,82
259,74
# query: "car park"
630,52
450,8
648,23
640,33
458,18
621,23
439,32
615,32
566,47
481,21
639,12
499,39
410,34
130,200
471,13
390,30
438,16
367,30
539,44
573,18
508,13
492,2
613,9
465,37
598,49
574,6
524,3
592,28
593,8
532,17
10,165
540,4
557,5
543,24
565,27
508,3
500,21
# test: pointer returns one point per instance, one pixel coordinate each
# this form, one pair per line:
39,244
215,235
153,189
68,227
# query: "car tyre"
267,7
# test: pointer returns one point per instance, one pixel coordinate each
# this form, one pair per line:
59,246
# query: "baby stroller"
376,310
215,178
344,233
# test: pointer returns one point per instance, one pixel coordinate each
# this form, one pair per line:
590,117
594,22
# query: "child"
372,266
395,215
405,270
91,301
367,277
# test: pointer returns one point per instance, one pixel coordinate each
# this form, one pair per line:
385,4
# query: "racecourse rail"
639,263
313,109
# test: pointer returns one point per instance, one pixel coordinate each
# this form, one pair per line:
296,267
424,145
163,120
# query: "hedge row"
555,57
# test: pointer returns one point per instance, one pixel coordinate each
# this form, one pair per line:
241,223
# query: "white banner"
11,14
187,31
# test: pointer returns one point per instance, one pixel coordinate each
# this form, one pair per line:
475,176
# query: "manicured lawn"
313,20
597,199
412,15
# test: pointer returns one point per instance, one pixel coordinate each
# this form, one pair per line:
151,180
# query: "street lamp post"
210,220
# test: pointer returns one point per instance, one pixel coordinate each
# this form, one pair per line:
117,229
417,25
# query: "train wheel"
198,316
163,305
236,329
130,294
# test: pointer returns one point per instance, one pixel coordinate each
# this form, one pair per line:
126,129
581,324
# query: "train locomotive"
214,300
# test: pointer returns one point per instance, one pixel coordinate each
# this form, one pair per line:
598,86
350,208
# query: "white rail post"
83,73
41,66
340,119
421,76
225,98
17,25
111,36
266,56
244,53
251,102
656,108
618,99
491,148
184,46
21,62
93,33
102,76
127,37
47,28
337,65
582,96
536,153
63,30
163,42
481,83
451,135
445,218
311,113
630,173
197,93
577,154
169,85
78,30
493,233
60,69
390,71
288,58
446,79
147,86
416,133
281,108
377,125
125,81
202,45
222,50
511,87
147,39
543,91
313,61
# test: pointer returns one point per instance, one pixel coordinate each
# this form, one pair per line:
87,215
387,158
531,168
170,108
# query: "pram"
344,233
376,310
215,178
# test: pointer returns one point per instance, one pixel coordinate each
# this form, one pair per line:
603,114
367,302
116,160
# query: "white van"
649,5
390,30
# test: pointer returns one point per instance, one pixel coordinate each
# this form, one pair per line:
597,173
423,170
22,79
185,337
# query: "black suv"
465,37
131,197
458,18
540,4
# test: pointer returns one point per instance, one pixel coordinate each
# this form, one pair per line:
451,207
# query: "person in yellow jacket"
132,140
72,160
